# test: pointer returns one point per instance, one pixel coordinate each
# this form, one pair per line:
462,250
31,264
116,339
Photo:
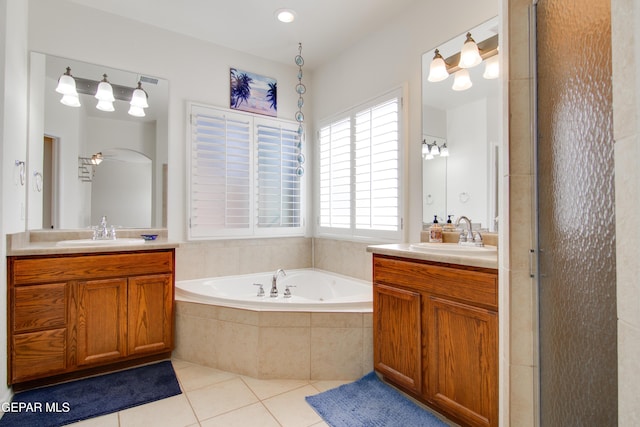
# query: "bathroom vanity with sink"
75,310
435,326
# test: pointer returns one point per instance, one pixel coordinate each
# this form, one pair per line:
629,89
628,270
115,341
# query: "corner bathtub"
312,291
323,332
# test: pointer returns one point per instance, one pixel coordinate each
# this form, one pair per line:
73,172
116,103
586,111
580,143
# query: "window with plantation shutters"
278,188
359,172
243,175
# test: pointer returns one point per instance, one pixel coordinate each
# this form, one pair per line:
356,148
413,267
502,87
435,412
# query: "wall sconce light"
87,166
104,91
429,151
471,55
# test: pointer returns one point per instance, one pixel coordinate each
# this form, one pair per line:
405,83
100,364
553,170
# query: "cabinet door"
462,363
397,336
150,313
101,320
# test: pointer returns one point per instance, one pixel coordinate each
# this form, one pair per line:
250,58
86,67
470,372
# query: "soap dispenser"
435,231
449,225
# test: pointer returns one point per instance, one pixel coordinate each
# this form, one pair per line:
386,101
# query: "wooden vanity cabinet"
68,313
436,335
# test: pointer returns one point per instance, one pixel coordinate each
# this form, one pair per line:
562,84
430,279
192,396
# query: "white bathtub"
312,291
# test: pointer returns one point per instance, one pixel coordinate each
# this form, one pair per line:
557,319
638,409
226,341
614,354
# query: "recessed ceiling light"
285,15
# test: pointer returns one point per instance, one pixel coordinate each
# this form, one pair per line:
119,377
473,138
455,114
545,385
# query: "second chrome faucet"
274,282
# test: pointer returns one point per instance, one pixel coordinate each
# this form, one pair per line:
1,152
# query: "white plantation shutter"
335,175
359,178
278,186
242,175
376,168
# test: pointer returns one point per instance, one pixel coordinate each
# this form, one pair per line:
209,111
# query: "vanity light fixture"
469,55
104,91
96,159
437,68
429,151
138,102
67,87
104,95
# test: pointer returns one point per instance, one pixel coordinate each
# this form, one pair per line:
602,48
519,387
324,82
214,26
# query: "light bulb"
469,55
437,68
462,80
492,68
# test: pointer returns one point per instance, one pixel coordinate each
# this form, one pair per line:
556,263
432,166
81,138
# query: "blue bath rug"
370,402
66,403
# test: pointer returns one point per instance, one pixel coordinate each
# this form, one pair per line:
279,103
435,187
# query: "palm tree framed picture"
253,93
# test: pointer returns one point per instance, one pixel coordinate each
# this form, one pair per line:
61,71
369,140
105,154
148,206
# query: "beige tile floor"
214,398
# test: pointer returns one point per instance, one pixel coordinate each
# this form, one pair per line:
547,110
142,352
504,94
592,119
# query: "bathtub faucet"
274,282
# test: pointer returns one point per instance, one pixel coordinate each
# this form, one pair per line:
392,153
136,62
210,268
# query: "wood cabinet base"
69,315
435,335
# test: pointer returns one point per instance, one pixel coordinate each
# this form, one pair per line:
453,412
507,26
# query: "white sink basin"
454,249
91,242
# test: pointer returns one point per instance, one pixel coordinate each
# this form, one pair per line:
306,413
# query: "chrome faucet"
470,237
103,232
274,282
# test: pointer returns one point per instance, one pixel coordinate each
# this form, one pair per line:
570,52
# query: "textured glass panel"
578,357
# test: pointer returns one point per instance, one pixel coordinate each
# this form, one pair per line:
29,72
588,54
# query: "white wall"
13,139
388,59
197,71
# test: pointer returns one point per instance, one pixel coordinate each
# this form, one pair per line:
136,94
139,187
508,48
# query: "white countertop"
405,250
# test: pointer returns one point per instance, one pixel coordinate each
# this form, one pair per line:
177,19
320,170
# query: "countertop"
404,250
45,242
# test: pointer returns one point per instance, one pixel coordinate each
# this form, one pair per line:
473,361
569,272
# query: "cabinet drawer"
477,286
35,354
39,307
34,270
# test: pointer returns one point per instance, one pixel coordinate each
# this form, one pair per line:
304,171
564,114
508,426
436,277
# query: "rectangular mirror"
69,188
467,121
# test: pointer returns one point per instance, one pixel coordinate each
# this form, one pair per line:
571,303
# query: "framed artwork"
253,93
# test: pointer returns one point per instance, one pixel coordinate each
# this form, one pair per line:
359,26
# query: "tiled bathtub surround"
306,346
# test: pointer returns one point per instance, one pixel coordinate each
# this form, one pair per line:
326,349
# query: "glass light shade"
66,85
105,92
462,80
139,99
437,69
491,68
425,148
428,156
469,55
136,111
105,105
70,100
444,151
434,150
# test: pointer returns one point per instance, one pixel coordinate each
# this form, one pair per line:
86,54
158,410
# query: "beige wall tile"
196,340
237,348
336,320
336,353
521,338
237,315
520,221
521,151
285,319
628,374
521,396
284,353
343,257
